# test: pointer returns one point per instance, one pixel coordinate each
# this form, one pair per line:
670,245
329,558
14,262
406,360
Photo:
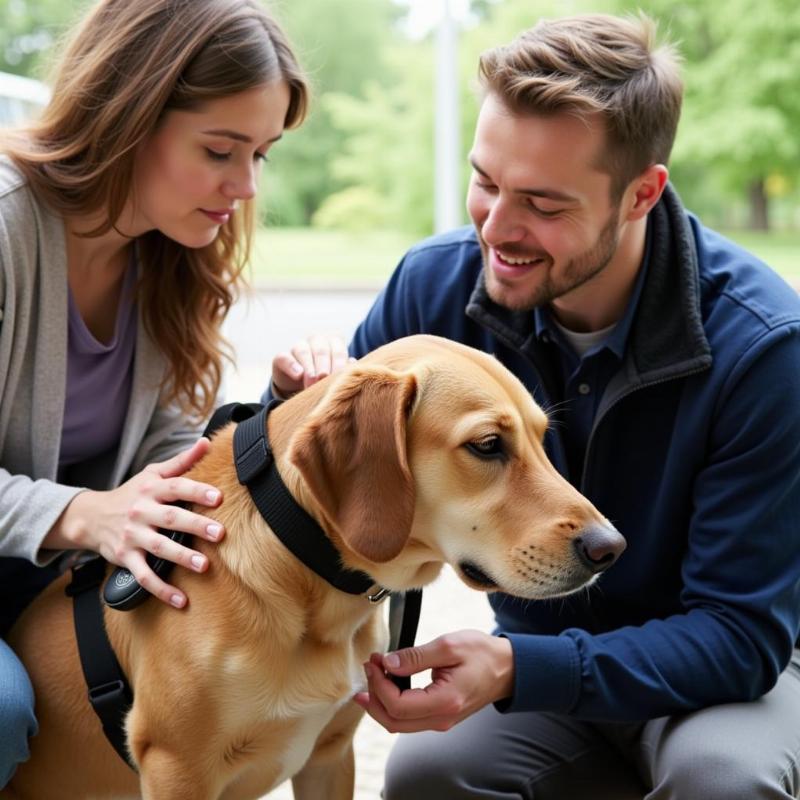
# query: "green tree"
385,164
742,108
341,44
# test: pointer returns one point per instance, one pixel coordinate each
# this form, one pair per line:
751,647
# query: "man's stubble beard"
578,271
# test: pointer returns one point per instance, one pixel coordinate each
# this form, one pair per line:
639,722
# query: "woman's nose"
243,185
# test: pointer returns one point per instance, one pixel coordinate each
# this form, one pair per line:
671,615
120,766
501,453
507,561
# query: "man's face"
540,205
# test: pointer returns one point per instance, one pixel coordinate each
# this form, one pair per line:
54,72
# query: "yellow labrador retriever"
423,452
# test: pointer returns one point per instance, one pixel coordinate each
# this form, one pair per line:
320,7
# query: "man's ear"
352,455
645,191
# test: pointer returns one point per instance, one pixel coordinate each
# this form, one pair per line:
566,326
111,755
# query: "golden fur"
251,683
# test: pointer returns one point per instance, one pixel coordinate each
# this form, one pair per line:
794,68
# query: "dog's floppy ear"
352,455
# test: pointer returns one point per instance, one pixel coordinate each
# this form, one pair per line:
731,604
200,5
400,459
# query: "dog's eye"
490,447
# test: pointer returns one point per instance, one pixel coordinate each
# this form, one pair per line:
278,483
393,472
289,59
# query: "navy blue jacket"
694,455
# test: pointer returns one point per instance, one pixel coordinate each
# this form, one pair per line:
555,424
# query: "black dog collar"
292,524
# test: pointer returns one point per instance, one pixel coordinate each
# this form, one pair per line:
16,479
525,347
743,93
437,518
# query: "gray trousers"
739,751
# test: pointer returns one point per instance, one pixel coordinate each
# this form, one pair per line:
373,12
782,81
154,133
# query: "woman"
124,222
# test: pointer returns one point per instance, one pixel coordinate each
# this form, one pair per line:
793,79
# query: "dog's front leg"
330,769
166,776
333,780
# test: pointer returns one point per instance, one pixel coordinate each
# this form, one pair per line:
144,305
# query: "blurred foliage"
341,45
364,158
738,134
28,29
738,147
389,146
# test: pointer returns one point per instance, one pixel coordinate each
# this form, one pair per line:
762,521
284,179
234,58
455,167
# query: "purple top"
99,379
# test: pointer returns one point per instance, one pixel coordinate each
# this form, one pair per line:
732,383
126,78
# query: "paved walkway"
259,328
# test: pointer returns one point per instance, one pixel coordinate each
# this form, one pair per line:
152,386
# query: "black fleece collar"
667,338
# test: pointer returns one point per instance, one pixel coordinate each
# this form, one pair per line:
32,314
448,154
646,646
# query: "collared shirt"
583,379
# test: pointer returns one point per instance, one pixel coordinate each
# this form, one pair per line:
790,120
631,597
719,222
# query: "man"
670,361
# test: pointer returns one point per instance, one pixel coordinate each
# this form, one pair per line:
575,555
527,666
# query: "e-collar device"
123,592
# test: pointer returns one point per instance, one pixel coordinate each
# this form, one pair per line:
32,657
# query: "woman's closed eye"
220,156
216,155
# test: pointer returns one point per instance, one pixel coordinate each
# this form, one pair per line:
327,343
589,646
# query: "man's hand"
309,361
469,670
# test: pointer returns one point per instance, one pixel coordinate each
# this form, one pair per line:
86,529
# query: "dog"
422,453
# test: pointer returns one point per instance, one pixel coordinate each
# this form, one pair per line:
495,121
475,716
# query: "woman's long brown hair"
126,65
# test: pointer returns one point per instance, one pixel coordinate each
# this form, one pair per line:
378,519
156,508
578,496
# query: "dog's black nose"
599,546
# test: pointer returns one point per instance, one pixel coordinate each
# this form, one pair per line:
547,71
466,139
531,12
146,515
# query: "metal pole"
447,186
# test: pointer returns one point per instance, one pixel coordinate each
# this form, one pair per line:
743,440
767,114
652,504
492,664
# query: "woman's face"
192,172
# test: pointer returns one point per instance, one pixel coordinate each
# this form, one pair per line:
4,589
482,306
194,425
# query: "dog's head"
428,451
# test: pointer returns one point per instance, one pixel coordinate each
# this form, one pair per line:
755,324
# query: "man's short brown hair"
596,64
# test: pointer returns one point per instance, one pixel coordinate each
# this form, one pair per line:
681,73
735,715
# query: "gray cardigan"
33,361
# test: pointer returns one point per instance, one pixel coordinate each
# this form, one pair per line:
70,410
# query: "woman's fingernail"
296,369
212,496
198,562
214,531
177,601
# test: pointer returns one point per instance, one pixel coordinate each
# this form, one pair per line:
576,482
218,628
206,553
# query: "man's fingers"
184,461
438,699
287,374
329,354
437,653
301,352
309,361
383,717
321,352
339,355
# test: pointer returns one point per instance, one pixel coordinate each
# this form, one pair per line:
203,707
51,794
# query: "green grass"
310,257
779,249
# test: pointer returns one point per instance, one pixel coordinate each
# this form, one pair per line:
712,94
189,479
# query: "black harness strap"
109,692
404,610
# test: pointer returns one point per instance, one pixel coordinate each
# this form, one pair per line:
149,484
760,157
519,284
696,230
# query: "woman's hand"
121,524
309,361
